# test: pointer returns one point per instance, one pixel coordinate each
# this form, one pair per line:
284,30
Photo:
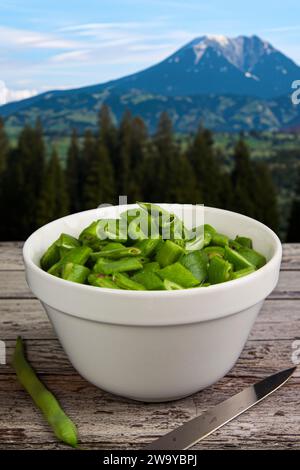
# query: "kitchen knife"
198,428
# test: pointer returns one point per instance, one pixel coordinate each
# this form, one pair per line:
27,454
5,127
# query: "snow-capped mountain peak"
243,52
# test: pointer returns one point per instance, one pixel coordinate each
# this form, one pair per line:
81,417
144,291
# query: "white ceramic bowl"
153,345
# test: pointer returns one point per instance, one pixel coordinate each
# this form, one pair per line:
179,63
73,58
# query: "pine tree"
23,182
207,168
4,154
243,180
293,232
166,154
138,155
108,133
4,148
183,185
123,169
99,187
73,174
12,202
265,199
53,202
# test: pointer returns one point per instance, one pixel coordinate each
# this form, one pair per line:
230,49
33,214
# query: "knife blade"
198,428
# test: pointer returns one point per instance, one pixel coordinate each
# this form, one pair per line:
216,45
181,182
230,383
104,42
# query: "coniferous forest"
36,188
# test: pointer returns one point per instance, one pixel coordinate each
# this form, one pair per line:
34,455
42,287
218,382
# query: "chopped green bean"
242,272
149,248
255,258
196,262
75,272
219,270
110,267
179,274
55,270
220,239
50,257
150,280
78,255
212,251
168,253
66,242
116,253
235,258
151,267
125,282
100,280
169,285
244,241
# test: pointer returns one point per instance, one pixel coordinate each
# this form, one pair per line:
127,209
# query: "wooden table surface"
108,422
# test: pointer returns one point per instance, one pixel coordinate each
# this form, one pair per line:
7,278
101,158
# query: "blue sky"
70,43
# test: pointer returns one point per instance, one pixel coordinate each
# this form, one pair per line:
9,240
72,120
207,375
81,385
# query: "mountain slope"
229,83
228,113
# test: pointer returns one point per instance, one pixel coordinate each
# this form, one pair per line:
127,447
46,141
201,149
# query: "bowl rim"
215,288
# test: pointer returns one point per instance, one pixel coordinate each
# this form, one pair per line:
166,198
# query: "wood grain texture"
109,422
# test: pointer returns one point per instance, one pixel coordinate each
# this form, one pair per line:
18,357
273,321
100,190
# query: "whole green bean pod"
110,267
125,282
64,429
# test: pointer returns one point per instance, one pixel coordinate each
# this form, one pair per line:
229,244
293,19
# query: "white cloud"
7,95
282,29
25,38
73,56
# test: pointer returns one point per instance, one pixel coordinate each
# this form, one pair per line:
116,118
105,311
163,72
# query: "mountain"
230,83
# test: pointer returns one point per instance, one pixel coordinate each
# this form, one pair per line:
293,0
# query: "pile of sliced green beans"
119,254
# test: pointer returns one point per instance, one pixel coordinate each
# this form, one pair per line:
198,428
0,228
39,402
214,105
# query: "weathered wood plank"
291,256
109,422
279,319
258,359
11,256
13,285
